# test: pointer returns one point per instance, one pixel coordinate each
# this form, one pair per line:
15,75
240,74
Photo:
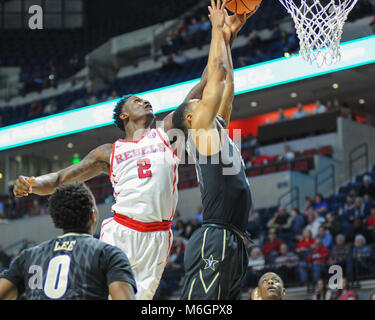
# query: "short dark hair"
118,110
71,206
179,120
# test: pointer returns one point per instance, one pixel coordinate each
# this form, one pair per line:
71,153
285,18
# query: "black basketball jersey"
72,266
225,191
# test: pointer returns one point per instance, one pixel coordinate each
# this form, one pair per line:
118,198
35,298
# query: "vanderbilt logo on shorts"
210,263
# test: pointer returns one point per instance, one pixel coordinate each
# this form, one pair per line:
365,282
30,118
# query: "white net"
319,26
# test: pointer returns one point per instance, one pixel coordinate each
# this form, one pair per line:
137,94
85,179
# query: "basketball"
243,6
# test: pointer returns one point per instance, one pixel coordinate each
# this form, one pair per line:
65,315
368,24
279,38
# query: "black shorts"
215,262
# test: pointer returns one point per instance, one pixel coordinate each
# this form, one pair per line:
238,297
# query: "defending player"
215,258
74,265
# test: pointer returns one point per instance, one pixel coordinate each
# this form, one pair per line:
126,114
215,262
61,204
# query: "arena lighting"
247,79
293,95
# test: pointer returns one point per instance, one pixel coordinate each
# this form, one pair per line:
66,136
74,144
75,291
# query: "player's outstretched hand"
216,15
23,186
235,22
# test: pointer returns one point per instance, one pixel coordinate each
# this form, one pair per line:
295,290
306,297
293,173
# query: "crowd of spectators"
15,208
335,105
253,157
190,32
301,246
251,147
50,74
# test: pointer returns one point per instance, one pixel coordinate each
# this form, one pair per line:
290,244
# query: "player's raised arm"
216,72
225,108
95,163
233,25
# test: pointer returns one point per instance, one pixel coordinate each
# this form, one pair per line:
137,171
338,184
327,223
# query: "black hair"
71,206
179,117
118,110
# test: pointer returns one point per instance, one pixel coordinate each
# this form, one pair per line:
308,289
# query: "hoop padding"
319,26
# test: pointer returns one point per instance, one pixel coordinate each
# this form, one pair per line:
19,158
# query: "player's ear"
93,220
93,216
124,116
283,292
189,116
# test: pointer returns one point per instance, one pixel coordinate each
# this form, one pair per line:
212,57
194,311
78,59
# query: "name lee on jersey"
65,245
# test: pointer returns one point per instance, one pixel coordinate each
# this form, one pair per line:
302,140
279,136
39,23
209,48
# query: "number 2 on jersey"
144,170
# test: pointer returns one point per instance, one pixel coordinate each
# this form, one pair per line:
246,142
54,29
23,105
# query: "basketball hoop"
319,26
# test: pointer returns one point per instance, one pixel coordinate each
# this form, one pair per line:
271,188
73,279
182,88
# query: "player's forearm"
95,163
44,185
225,109
229,79
80,172
197,91
217,51
233,37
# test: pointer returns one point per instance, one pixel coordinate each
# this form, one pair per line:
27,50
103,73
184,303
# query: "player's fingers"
22,184
213,4
223,4
210,14
19,192
31,181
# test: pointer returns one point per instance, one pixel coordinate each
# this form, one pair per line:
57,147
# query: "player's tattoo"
81,168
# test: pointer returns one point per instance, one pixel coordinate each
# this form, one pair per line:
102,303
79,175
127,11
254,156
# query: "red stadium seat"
325,151
309,152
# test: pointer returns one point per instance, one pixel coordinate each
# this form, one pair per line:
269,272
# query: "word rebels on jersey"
139,152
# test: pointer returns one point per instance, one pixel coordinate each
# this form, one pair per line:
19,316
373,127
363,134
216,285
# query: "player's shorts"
215,262
147,246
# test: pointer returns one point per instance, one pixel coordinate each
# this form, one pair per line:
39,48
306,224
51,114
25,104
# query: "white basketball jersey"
144,176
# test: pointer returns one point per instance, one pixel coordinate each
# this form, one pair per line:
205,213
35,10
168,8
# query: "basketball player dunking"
215,258
143,172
